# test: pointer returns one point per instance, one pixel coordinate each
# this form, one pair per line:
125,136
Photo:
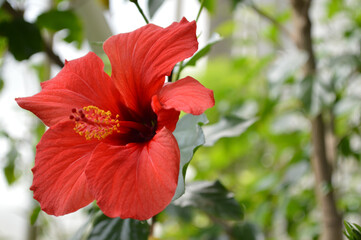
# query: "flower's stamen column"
93,122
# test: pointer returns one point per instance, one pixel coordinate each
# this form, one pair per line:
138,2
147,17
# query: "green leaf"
153,6
334,7
1,84
352,231
212,198
344,147
210,5
105,228
34,215
204,51
24,38
189,136
3,45
245,231
358,227
230,126
55,20
10,172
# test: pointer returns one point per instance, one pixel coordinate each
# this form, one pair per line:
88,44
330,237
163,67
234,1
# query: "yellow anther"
95,123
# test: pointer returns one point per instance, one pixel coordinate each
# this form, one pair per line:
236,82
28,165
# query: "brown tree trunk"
331,219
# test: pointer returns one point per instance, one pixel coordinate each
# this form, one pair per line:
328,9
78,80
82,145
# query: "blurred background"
286,77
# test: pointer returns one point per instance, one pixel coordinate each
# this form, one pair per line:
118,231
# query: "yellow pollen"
93,122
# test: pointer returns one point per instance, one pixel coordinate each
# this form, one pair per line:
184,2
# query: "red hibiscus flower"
110,138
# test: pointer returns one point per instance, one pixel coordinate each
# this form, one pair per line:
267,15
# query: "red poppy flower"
110,138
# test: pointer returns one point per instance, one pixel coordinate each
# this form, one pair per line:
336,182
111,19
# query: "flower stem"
140,10
200,10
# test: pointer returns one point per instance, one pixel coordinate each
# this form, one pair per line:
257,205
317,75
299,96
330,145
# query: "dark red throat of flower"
92,122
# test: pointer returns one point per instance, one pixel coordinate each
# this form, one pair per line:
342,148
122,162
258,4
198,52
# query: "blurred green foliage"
268,167
23,38
55,20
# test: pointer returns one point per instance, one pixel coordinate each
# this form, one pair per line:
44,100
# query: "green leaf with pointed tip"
189,136
23,38
55,20
105,228
212,198
153,6
34,215
230,126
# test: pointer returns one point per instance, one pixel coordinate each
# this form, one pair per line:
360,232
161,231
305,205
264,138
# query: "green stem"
200,10
140,10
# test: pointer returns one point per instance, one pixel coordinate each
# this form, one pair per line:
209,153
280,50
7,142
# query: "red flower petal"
165,117
186,95
141,59
80,83
53,106
137,180
59,182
